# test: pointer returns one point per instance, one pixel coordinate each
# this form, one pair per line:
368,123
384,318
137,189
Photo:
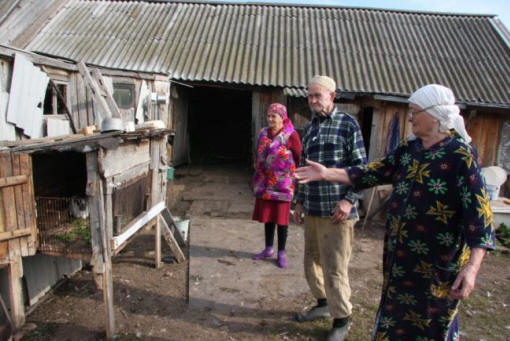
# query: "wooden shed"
82,197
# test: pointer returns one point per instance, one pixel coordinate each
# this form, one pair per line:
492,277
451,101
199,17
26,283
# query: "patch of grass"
503,236
79,230
363,313
484,317
313,330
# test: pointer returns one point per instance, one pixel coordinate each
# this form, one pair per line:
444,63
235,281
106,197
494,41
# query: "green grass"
79,230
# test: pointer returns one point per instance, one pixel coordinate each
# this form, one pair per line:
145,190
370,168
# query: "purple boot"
266,253
282,259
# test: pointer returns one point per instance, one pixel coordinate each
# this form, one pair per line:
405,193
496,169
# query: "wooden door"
179,97
18,230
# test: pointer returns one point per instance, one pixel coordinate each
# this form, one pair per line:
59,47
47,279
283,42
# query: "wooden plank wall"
261,100
179,103
382,117
18,230
485,130
82,105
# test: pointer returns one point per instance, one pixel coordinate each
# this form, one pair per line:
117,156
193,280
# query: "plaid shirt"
336,142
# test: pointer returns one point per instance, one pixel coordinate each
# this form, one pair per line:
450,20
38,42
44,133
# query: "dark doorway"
220,126
366,127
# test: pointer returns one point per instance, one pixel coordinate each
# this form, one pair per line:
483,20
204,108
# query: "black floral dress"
438,211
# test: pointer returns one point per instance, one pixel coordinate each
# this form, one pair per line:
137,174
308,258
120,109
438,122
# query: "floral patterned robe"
439,209
274,167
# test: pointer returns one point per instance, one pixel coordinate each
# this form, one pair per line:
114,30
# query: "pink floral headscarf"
281,110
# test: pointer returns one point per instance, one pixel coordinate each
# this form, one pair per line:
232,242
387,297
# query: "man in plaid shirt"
333,139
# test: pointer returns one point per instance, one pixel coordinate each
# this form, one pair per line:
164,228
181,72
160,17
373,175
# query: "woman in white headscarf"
439,223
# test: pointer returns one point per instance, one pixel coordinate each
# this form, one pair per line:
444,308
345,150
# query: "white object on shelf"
494,177
501,212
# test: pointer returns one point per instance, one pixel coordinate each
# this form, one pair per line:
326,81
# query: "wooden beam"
108,97
15,273
157,246
107,275
103,109
15,234
137,224
13,180
169,237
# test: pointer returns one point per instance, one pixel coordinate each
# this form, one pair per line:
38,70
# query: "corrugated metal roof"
19,16
295,92
365,50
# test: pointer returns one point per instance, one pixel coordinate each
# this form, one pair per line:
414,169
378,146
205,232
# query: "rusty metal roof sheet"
365,50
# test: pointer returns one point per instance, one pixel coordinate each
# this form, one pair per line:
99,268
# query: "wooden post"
100,240
158,245
155,197
367,213
106,236
95,216
15,273
162,87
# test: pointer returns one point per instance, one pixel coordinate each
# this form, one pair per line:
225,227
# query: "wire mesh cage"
64,225
129,200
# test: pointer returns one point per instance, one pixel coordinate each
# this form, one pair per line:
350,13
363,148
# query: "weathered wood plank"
107,95
101,259
81,100
108,211
73,99
96,92
29,203
15,273
157,246
127,156
108,299
20,209
169,219
3,245
132,173
162,87
96,212
13,180
91,115
137,223
9,202
154,166
14,234
172,243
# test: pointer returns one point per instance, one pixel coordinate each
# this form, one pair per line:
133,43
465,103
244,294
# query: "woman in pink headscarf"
278,152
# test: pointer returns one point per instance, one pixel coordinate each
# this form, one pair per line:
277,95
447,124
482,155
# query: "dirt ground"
154,304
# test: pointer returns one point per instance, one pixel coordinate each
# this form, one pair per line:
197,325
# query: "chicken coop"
83,197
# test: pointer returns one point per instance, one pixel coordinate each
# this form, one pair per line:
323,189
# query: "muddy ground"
154,304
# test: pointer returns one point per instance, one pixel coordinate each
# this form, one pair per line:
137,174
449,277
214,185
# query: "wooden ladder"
172,234
102,96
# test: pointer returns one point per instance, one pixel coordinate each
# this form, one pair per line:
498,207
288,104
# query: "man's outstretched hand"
313,172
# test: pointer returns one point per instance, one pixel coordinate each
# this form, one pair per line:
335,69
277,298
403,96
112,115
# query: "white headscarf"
439,101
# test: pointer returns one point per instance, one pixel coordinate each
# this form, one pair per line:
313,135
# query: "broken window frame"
53,105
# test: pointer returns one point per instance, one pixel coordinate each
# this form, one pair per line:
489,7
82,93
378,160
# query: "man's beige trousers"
328,248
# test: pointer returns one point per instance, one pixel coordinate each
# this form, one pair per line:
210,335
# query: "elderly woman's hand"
313,172
465,281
